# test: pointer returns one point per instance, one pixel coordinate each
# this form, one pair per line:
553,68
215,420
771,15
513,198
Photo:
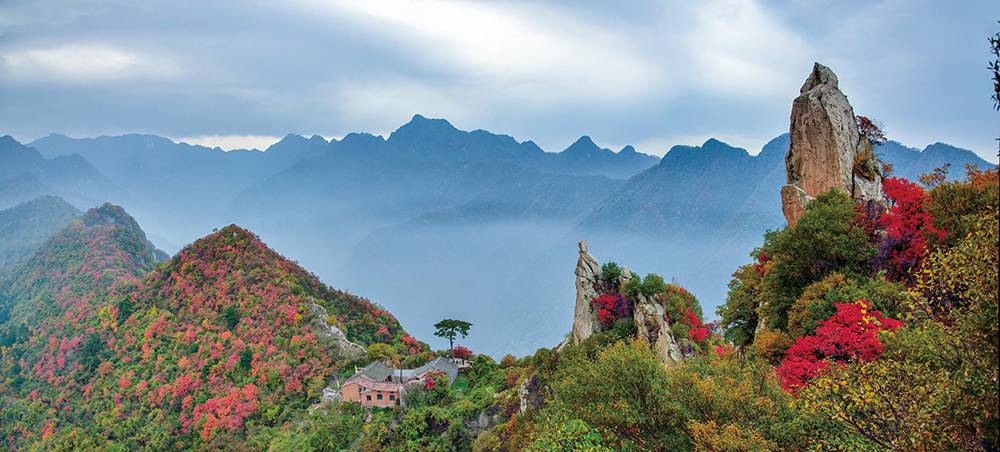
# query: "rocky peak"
588,276
820,75
826,149
583,145
648,314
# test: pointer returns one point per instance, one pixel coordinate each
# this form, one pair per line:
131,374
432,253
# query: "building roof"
376,372
443,365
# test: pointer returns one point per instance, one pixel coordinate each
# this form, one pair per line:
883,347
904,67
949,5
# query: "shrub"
826,239
610,272
908,226
770,345
611,308
813,306
461,352
601,392
652,284
849,335
738,315
381,352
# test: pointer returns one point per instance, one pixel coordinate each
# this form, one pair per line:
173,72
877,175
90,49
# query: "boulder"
825,144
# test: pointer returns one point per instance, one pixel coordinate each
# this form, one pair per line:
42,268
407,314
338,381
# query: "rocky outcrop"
331,333
651,324
488,418
588,277
650,321
531,394
826,148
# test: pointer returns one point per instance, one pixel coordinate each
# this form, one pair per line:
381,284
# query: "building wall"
351,392
354,392
385,402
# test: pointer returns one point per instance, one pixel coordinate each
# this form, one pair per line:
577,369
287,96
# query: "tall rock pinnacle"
826,149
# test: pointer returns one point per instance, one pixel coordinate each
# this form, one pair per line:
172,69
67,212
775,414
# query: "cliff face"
826,149
648,315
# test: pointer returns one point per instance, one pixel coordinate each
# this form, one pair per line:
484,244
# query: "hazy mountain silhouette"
25,226
436,222
25,173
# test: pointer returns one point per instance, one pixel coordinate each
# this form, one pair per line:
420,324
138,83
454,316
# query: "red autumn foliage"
724,350
691,319
461,352
698,334
908,226
870,129
851,334
611,308
762,259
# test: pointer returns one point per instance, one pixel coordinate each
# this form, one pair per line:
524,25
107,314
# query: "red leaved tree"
461,352
908,226
851,334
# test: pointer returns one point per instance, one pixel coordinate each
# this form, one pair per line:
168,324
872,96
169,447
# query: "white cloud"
231,142
535,53
737,47
84,64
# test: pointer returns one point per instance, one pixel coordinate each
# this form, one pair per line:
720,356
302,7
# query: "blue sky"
652,74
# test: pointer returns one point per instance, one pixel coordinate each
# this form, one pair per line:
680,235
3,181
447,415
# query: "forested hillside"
213,347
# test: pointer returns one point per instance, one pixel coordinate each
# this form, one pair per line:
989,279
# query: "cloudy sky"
240,74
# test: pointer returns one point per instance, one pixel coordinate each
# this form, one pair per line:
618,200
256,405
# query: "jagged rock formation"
826,149
588,276
650,324
650,321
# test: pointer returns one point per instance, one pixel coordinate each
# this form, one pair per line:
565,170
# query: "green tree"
381,352
828,238
624,391
739,313
450,328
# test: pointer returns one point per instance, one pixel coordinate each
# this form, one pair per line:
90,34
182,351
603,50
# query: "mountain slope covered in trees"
102,347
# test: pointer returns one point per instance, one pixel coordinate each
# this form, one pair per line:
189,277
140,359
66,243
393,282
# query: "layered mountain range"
437,222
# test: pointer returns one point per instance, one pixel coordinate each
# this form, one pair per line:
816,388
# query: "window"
392,396
369,397
379,396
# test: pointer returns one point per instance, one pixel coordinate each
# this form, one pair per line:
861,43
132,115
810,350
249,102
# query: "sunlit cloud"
537,53
84,63
231,142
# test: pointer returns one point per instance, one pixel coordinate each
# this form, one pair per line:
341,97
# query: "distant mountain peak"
292,138
583,144
714,143
628,149
422,121
109,214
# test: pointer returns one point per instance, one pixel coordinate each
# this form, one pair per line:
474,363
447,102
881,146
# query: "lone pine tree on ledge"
449,328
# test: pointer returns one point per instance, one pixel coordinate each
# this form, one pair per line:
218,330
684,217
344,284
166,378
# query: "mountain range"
464,224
